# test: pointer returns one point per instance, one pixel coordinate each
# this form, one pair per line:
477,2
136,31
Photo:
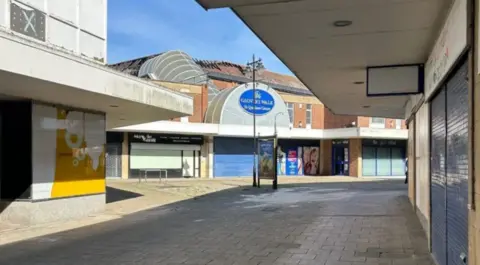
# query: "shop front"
383,158
340,157
449,167
153,155
298,157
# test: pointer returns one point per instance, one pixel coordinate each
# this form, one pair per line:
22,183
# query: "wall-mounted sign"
384,142
449,46
156,138
264,102
340,142
27,21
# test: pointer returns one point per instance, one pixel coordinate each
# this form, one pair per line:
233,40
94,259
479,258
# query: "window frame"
378,125
308,115
291,117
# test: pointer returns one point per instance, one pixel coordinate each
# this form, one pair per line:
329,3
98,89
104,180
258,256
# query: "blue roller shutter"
449,170
438,179
457,166
233,157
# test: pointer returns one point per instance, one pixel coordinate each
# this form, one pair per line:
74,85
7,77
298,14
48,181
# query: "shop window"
290,108
377,122
309,116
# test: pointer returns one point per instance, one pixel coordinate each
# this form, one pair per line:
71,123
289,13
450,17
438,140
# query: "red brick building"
342,141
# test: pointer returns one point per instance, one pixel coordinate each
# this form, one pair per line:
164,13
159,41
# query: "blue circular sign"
264,102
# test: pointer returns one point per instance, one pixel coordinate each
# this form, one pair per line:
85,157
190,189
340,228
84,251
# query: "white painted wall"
422,163
87,126
76,26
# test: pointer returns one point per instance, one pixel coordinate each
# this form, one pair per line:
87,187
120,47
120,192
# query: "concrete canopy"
331,61
40,73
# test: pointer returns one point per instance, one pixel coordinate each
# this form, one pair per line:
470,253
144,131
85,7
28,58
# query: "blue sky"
138,28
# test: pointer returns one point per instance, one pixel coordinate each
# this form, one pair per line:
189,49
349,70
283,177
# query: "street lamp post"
275,178
253,66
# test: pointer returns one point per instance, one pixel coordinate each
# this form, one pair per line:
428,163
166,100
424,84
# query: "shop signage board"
384,142
340,142
449,46
264,102
155,138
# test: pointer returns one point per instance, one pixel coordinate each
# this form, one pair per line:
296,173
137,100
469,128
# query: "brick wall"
333,121
355,163
200,104
220,84
318,116
363,122
299,115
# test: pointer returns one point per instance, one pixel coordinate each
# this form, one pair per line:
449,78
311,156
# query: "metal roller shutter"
438,178
233,157
457,166
113,165
449,171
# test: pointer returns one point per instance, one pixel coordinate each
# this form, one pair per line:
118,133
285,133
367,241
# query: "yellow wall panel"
80,155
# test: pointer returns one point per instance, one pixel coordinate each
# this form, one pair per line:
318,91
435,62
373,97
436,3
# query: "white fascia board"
383,133
173,127
341,133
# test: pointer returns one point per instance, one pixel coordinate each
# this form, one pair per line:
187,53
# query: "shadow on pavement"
168,225
115,195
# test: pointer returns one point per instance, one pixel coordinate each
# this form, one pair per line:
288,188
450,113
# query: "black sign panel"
340,142
384,142
156,138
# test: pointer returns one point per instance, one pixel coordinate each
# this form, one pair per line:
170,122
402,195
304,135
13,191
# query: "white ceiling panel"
329,59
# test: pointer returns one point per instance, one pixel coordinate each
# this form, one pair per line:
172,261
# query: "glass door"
345,161
339,160
384,165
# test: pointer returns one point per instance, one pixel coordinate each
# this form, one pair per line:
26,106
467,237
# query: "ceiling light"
359,82
342,23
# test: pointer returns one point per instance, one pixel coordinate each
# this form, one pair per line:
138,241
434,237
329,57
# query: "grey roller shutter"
457,166
438,179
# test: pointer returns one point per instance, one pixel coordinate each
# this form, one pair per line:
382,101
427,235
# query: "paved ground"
321,223
129,196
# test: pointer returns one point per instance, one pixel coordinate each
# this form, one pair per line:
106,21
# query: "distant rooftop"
227,71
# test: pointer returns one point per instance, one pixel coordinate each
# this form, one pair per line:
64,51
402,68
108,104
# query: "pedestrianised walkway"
322,223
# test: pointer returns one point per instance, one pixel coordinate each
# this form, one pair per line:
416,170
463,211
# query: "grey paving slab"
322,223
